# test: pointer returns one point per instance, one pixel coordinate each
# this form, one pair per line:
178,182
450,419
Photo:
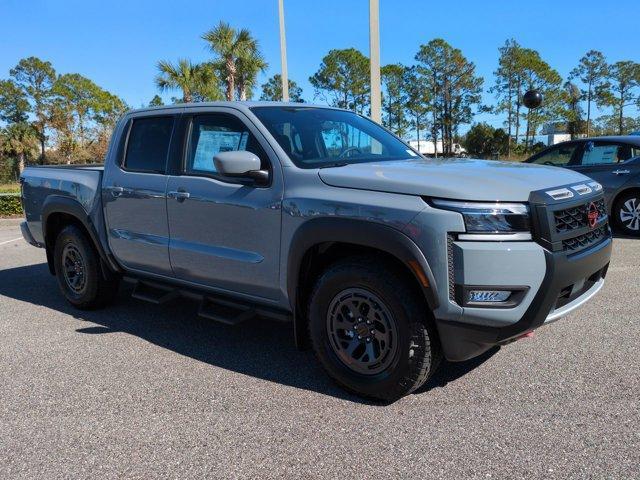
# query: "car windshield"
320,137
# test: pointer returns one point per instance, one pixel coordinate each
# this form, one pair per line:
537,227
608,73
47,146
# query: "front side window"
212,134
559,156
315,137
148,144
607,154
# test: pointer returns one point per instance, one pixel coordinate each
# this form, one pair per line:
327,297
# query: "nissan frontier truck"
383,261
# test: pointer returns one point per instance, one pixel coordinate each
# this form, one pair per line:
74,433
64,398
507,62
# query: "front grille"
564,225
575,218
586,239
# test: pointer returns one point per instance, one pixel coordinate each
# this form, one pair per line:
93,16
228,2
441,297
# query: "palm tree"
248,66
230,45
197,81
20,140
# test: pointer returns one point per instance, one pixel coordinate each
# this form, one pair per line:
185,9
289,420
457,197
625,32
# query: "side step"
226,312
154,293
220,309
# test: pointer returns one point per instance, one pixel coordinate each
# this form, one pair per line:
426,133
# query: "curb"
10,221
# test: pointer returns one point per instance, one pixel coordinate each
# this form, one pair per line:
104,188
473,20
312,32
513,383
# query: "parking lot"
139,390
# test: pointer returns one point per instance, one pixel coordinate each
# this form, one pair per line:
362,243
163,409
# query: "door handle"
116,191
179,195
621,172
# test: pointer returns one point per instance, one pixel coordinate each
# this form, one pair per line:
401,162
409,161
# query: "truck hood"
455,178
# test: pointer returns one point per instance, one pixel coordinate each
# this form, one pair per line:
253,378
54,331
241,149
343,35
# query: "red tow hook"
530,334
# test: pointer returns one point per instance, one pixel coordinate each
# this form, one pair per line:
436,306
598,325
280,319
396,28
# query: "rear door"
609,163
224,234
134,194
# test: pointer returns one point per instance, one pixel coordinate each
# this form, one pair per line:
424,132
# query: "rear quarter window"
148,144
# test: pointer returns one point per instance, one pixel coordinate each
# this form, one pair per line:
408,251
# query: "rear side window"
148,144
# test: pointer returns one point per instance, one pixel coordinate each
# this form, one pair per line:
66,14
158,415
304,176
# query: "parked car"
614,162
384,260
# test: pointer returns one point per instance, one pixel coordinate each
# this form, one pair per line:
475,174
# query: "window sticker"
211,142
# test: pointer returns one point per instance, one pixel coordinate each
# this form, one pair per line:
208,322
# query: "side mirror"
532,99
242,165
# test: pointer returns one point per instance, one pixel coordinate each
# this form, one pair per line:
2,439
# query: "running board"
224,309
154,293
229,313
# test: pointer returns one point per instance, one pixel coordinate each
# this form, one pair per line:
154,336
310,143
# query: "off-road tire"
96,290
418,354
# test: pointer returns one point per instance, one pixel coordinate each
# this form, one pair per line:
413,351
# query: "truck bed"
80,184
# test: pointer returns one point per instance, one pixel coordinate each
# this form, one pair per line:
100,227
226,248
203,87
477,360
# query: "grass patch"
10,188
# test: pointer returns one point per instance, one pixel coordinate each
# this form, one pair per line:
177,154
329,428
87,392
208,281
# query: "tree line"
68,112
49,117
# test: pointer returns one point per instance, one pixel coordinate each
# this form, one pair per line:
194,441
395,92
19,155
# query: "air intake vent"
450,265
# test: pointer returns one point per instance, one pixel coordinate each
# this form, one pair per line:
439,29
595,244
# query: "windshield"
319,137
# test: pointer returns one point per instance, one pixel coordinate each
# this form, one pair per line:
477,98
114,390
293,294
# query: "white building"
557,132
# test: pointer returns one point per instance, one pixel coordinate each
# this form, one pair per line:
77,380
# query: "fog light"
488,296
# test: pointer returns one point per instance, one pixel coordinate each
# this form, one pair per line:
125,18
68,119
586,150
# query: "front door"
134,195
224,234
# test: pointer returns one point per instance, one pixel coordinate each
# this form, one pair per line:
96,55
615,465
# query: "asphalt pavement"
143,391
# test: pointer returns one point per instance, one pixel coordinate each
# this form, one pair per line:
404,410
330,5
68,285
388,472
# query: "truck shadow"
260,348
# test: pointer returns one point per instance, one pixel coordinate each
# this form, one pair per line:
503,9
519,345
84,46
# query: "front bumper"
569,281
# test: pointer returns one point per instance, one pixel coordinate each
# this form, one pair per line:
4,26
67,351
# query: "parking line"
9,241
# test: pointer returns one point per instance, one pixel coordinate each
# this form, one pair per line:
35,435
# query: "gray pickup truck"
384,261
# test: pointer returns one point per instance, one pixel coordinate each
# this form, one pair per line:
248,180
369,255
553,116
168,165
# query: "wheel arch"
322,241
59,212
623,191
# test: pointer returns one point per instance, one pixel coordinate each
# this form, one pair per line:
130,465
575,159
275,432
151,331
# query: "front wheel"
78,271
626,213
370,330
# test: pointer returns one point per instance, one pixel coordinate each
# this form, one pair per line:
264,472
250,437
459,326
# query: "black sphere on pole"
532,99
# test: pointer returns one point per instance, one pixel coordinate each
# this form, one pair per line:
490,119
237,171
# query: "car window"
148,144
600,154
559,156
315,137
607,153
212,134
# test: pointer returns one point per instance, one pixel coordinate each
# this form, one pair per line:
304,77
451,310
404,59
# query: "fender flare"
59,204
357,232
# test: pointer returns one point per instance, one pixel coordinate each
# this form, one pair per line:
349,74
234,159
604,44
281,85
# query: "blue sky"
118,43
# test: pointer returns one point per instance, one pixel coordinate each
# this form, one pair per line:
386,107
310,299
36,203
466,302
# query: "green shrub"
10,205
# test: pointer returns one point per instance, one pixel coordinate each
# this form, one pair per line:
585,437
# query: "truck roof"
240,105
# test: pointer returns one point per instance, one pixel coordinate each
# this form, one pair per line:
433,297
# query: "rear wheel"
78,271
371,331
626,213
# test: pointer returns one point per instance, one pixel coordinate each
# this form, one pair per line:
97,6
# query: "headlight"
486,217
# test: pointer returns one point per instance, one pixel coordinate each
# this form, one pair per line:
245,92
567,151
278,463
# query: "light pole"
283,54
374,53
